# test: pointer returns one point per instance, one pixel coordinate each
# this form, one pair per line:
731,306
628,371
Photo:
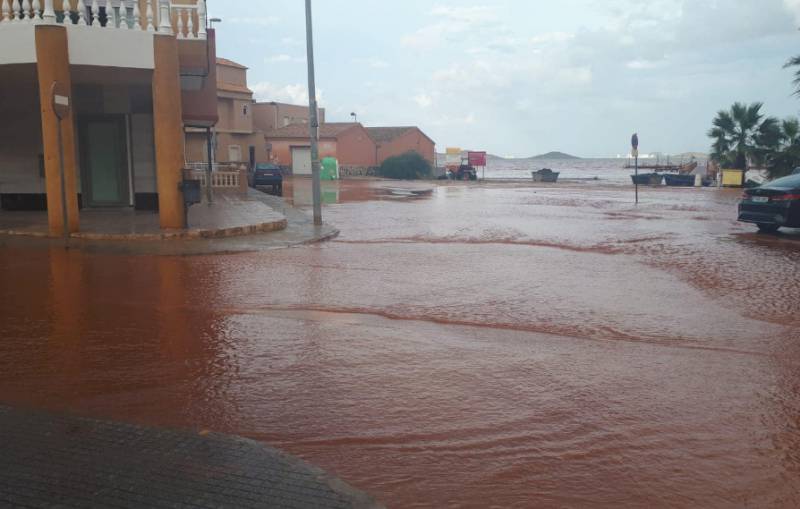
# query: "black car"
773,205
267,175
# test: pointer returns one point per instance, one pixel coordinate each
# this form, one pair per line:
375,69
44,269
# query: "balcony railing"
219,179
184,20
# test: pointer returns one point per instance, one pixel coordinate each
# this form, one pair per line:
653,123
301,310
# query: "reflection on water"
519,345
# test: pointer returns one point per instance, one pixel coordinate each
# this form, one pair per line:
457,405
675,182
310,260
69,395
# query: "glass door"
104,168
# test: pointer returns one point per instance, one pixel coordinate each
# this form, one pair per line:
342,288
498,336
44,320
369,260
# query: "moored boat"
679,180
647,179
545,175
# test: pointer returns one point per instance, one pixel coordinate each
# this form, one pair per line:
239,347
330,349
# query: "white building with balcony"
129,75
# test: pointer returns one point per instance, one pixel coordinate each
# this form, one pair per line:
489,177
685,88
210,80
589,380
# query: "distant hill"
554,155
493,157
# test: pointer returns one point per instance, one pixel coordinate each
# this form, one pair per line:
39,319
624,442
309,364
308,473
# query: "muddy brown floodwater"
483,346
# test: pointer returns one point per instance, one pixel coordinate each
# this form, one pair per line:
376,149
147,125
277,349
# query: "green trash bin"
330,169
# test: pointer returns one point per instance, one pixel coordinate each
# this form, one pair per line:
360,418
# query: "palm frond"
795,62
790,128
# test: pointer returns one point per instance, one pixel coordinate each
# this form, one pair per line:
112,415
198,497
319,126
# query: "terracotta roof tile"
229,63
232,87
388,134
382,134
331,130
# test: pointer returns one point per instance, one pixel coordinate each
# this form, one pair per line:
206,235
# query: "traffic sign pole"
61,107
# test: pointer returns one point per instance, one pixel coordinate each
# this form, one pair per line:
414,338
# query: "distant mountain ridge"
555,155
493,157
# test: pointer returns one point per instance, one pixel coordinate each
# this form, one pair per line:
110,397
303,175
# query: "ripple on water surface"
483,345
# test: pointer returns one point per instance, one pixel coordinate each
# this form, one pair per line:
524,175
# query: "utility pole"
313,114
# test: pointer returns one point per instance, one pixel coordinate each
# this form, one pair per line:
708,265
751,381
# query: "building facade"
235,138
349,143
239,136
274,115
124,80
395,141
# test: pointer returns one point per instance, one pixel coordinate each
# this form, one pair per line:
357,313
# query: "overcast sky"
521,77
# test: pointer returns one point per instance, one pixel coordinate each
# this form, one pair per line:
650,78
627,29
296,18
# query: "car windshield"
266,167
790,181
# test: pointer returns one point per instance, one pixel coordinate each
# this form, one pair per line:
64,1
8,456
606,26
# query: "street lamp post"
314,123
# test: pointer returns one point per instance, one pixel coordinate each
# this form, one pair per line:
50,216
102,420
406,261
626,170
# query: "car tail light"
745,195
786,197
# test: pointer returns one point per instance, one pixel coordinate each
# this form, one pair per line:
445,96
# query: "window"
234,153
244,110
286,121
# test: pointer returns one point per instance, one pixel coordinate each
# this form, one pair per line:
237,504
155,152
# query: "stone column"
52,64
168,128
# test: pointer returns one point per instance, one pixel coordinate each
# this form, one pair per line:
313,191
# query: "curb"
235,231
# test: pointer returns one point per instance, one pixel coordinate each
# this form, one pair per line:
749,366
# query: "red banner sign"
477,158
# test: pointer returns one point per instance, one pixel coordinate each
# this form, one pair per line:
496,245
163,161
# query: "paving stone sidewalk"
299,230
49,461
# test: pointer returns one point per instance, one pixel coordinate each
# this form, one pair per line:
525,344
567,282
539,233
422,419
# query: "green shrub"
409,166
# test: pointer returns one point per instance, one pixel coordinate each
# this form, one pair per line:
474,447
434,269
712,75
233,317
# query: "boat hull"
647,179
545,176
679,180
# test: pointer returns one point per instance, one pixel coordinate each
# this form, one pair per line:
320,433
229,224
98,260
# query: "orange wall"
200,106
196,150
413,140
270,116
53,65
282,149
356,148
232,75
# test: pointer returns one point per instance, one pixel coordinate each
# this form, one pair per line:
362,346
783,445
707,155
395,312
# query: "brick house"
274,115
350,143
239,133
235,135
394,141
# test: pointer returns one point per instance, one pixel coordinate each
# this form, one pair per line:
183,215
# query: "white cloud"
423,100
293,94
451,21
639,65
794,8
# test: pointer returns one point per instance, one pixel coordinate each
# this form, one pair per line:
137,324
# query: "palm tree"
791,131
784,161
743,136
795,62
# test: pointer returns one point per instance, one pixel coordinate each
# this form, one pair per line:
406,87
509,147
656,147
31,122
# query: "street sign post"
59,95
635,154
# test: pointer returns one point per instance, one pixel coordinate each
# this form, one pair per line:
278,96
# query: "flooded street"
486,345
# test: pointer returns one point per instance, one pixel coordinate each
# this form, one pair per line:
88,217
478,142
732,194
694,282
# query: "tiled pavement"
231,214
299,230
58,461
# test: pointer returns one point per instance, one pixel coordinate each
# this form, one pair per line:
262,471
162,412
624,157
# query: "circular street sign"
59,95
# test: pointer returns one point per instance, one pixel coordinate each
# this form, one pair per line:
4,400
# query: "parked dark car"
772,205
267,175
